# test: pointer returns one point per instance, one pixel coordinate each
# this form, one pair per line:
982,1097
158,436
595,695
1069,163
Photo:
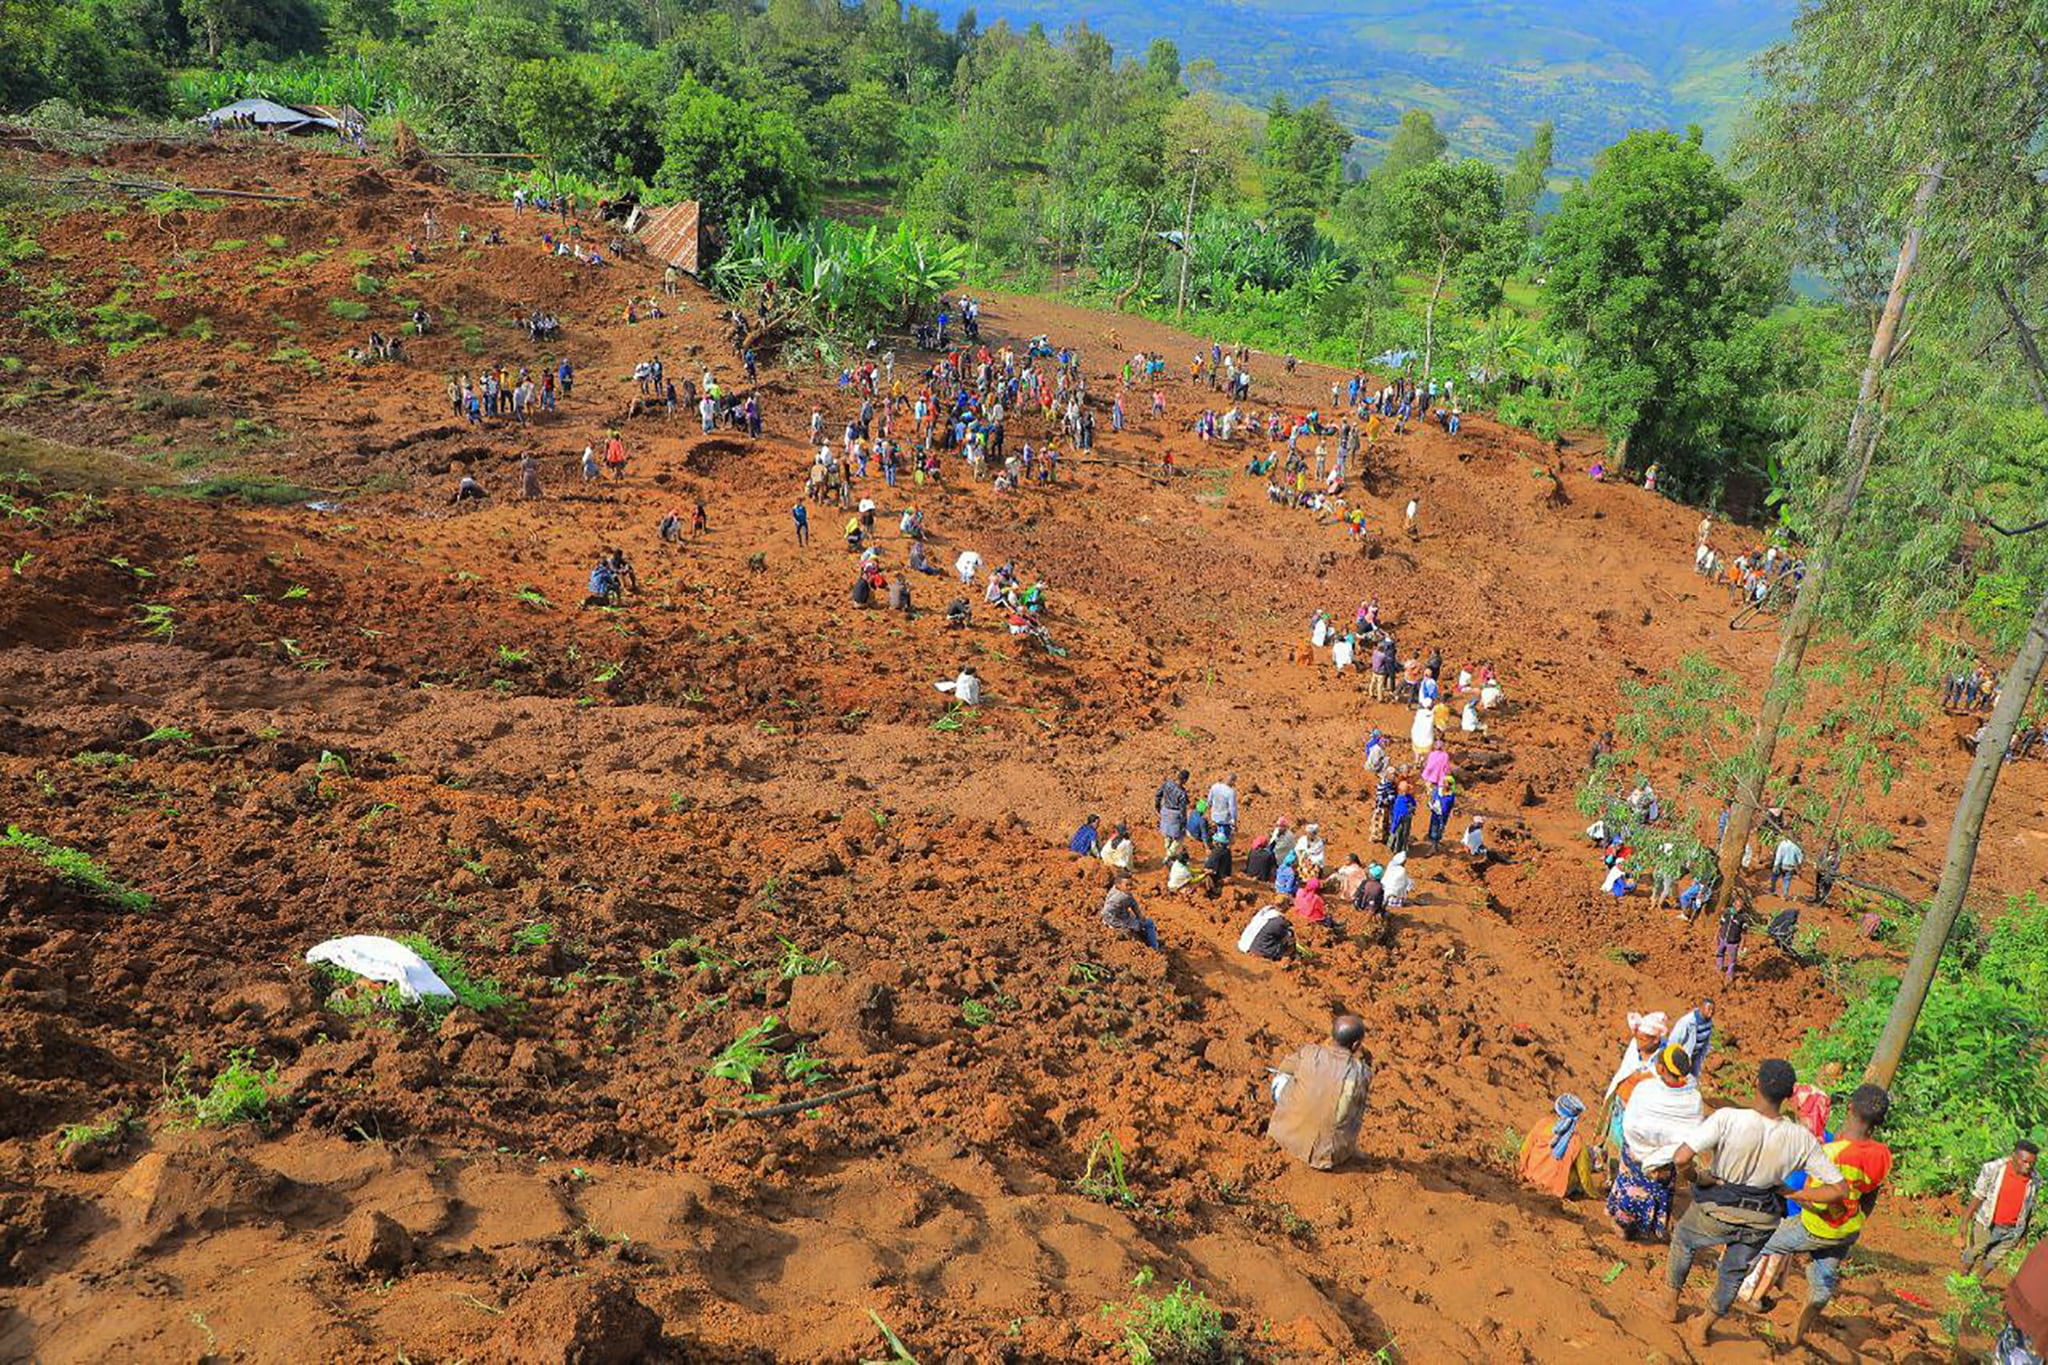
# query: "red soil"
557,1181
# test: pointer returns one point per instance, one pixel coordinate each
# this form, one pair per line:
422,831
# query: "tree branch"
2041,525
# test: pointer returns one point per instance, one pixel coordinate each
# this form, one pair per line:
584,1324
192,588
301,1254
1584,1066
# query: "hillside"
1488,70
368,710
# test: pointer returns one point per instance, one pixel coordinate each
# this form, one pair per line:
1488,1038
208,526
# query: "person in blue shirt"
1693,898
1403,816
1087,840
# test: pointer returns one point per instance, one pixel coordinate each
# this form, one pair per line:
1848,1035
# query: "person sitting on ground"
604,585
1268,934
1179,875
1554,1158
670,528
1398,882
1216,867
899,595
1087,840
967,687
919,561
1320,1095
957,612
1345,880
469,490
1119,852
1475,842
1120,912
1261,862
622,568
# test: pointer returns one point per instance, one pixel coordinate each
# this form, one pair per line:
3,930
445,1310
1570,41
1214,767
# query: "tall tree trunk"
1963,832
1967,826
1857,450
1436,291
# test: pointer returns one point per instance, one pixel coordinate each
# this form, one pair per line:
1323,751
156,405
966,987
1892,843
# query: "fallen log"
776,1111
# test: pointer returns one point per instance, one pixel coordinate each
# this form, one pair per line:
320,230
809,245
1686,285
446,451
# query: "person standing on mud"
1171,801
1754,1150
1223,808
529,476
1320,1096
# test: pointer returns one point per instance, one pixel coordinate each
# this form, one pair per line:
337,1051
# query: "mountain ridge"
1487,70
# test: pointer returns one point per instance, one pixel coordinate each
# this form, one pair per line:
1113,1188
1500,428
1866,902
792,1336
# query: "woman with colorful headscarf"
1663,1108
1554,1156
1647,1033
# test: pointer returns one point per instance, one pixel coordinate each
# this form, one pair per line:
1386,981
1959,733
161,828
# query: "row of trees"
1131,180
1899,156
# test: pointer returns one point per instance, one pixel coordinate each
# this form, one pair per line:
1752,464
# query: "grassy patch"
77,869
252,488
478,993
229,244
796,962
121,327
353,309
92,1134
367,285
472,337
241,1092
1182,1325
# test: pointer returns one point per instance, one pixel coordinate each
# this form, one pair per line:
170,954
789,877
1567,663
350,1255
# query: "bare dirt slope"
390,716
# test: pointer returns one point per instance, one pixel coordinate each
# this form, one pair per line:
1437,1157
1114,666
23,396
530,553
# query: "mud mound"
577,1322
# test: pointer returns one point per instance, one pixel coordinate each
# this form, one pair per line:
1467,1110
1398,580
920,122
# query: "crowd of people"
1786,1180
1790,1178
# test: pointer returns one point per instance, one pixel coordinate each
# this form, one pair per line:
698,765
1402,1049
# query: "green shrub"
240,1092
1975,1076
367,285
93,1134
77,869
352,309
1182,1326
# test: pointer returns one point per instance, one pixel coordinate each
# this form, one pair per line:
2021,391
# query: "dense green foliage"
1641,263
1976,1075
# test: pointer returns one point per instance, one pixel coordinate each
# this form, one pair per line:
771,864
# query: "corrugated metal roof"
271,114
671,235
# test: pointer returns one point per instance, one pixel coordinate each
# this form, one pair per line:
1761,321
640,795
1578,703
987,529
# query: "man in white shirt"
1785,863
1754,1150
967,687
1223,807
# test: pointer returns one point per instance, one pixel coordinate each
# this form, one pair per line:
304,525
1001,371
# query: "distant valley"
1486,69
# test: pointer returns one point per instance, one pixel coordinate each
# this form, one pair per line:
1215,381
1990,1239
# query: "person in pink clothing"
1437,766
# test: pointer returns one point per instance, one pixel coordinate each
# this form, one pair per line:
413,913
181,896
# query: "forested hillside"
1485,69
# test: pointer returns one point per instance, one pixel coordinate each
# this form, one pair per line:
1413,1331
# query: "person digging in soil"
1754,1150
1320,1096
